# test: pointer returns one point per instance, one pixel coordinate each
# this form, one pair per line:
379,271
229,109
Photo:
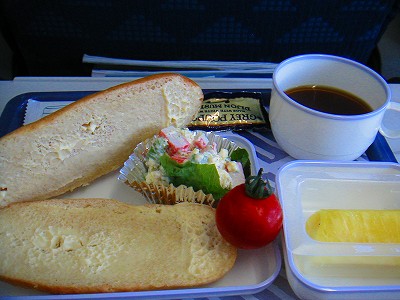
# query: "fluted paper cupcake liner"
134,173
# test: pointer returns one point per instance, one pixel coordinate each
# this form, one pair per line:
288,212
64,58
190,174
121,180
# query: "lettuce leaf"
199,176
241,155
202,176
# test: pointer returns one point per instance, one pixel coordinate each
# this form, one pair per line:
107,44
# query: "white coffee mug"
305,133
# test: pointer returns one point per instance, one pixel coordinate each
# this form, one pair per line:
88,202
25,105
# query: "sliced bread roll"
103,245
92,136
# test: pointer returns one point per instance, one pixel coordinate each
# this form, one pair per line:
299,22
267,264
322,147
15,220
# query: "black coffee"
329,100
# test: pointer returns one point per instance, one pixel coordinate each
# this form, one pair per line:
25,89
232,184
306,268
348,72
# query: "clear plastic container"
332,269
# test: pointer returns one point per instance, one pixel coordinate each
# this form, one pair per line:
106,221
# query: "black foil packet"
231,111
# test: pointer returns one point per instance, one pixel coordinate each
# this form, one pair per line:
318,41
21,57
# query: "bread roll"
103,245
91,136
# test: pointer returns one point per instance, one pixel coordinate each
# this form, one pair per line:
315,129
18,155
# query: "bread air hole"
90,127
52,239
3,192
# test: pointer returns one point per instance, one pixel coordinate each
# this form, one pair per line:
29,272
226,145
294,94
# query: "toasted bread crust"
92,136
103,245
97,96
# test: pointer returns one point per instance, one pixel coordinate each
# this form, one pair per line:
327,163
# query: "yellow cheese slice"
358,226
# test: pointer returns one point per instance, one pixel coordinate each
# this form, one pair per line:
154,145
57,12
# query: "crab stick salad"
184,157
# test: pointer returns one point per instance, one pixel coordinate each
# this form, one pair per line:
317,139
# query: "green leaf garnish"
241,155
199,176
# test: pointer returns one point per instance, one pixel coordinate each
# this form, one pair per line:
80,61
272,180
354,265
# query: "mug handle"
387,132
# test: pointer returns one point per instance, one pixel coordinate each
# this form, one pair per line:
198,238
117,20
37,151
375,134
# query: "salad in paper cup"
180,165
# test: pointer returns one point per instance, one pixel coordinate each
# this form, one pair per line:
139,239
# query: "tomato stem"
256,187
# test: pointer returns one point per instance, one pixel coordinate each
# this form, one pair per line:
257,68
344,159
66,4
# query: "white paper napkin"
36,110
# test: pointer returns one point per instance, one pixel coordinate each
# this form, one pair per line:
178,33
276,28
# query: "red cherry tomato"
249,216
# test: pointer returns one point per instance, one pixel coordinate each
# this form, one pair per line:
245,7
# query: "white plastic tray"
253,271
